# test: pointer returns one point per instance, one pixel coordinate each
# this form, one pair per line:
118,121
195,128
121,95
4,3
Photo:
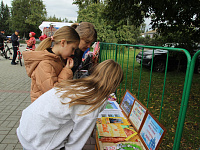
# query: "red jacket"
31,43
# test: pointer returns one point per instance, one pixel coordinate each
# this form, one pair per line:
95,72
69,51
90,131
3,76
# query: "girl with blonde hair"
88,35
64,117
45,65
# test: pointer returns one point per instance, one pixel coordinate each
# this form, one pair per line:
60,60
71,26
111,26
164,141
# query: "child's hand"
70,63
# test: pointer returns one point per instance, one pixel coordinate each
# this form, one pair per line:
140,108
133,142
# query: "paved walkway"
14,97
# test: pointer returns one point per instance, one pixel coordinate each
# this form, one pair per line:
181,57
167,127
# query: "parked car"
159,60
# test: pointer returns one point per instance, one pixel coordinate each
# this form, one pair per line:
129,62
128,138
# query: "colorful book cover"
115,120
112,105
120,146
111,113
127,103
151,133
111,130
137,114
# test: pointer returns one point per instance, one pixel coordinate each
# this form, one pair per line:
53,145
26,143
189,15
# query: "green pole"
150,79
140,74
190,72
179,127
164,85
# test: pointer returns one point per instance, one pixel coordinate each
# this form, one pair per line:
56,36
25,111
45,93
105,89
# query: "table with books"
128,125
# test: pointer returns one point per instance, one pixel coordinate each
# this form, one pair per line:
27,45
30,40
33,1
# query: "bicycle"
6,52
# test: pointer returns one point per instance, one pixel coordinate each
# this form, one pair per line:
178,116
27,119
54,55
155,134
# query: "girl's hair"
66,32
94,89
85,30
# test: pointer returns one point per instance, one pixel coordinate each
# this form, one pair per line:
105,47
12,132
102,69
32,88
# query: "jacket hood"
33,58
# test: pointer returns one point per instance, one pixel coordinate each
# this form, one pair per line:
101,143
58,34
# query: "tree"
177,21
54,19
82,4
4,17
93,14
27,15
107,33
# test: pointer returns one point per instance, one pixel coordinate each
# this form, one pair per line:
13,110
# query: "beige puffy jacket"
45,69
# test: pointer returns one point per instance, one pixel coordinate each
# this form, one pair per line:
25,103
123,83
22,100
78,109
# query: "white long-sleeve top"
47,124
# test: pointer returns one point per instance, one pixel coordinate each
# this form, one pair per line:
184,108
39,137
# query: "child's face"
30,35
68,49
84,44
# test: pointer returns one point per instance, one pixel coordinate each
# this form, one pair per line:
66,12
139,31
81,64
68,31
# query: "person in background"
65,116
88,35
15,44
45,65
2,39
31,42
42,37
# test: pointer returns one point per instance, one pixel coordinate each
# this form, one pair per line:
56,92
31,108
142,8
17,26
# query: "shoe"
13,63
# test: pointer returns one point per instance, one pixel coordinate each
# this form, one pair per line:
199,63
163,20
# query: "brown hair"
85,30
66,32
94,89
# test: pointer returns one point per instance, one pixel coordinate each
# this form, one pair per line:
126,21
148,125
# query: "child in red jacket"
31,42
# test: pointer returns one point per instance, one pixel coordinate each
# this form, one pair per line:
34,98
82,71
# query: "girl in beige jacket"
45,66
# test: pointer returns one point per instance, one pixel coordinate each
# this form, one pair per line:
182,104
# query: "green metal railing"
184,102
125,53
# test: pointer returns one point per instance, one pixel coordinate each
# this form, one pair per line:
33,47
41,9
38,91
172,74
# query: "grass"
171,101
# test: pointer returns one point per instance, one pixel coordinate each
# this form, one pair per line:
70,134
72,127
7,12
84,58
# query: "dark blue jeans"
14,54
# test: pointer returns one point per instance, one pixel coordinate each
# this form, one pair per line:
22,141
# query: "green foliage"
27,15
127,34
106,33
82,4
131,9
54,19
177,21
156,40
4,17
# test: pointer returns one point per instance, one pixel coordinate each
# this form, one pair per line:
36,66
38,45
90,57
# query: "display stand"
142,127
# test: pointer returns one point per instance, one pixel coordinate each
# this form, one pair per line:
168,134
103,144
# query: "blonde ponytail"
46,43
65,32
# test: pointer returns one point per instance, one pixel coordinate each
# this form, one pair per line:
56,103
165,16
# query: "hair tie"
52,38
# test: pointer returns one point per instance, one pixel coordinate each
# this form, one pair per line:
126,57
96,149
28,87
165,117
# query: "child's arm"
80,133
83,126
29,42
46,76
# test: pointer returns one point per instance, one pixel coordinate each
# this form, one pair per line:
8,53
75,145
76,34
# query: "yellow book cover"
111,130
115,120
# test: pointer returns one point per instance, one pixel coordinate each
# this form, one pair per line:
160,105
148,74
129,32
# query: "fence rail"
135,77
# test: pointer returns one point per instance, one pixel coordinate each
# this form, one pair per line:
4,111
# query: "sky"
61,8
64,9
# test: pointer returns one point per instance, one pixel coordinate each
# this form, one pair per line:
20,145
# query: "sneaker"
13,63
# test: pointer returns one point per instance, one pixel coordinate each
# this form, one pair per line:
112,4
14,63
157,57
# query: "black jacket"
2,38
14,39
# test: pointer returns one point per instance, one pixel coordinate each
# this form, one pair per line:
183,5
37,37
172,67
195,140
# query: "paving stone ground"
15,97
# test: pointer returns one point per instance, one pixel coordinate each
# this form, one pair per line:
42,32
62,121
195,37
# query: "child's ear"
62,42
